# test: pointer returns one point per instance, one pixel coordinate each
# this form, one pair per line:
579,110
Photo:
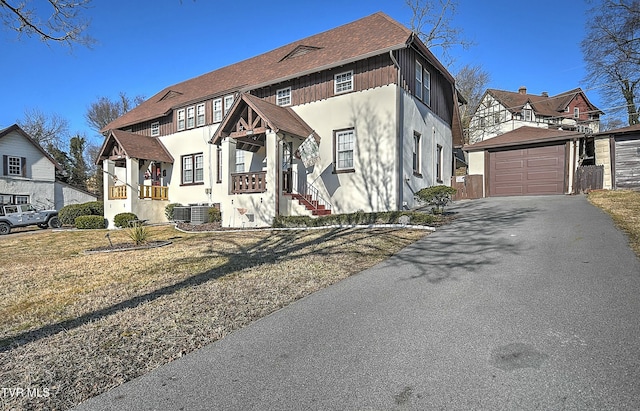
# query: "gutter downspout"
399,136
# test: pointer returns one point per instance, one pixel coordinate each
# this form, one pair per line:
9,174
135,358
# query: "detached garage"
526,161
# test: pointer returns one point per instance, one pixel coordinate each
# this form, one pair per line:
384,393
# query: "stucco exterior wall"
418,118
66,195
603,158
41,193
372,114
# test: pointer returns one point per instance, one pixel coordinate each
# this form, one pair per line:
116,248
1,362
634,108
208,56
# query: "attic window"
170,94
300,51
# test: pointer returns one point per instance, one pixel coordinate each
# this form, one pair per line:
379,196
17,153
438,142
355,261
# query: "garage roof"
524,135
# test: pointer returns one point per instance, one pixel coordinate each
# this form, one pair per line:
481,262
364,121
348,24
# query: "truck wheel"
54,222
4,228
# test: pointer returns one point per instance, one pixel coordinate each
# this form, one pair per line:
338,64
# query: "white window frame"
343,82
426,82
283,96
193,166
438,163
419,72
181,119
240,159
19,199
228,102
191,117
343,161
200,115
14,166
576,112
217,110
527,114
417,152
155,129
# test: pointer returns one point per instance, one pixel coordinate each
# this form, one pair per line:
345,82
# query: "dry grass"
624,208
81,324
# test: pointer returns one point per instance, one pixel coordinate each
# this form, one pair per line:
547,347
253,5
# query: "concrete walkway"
521,304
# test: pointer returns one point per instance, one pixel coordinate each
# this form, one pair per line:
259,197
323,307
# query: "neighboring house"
618,151
503,111
29,174
527,161
355,118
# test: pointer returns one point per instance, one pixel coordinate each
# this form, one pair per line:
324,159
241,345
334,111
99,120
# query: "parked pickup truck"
22,215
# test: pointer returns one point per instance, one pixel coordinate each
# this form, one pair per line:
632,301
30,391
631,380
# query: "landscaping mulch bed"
127,247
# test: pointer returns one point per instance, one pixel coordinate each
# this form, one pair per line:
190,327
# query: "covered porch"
281,145
136,174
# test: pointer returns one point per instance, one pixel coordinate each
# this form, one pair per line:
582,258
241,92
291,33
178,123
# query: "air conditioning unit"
182,214
199,214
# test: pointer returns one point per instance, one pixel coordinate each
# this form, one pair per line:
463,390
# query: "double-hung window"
180,119
228,102
191,117
527,114
155,129
14,166
283,96
439,163
576,112
200,115
423,84
193,169
343,82
217,110
239,161
416,153
419,80
344,143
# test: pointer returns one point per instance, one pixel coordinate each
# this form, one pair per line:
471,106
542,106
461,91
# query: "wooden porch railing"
117,192
154,192
253,182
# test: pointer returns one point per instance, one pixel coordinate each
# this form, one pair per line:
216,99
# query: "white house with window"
29,174
318,126
502,111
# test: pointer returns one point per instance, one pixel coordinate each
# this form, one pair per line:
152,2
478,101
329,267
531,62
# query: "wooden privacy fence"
469,187
589,178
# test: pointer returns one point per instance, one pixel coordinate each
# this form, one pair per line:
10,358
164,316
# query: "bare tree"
46,130
431,21
471,82
104,110
63,23
611,50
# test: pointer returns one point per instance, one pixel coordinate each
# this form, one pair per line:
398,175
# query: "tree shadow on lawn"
477,237
280,245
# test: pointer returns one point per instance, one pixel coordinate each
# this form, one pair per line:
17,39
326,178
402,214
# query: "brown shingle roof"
524,135
551,106
371,35
135,146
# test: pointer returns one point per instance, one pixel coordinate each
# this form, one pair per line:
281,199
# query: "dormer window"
155,129
228,102
200,114
180,119
526,114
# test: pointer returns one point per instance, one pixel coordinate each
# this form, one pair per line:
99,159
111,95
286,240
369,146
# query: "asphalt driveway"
528,303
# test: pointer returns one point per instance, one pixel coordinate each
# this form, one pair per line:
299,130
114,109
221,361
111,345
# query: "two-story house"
29,174
502,111
355,118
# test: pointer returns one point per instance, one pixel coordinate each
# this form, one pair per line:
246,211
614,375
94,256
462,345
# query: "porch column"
133,184
109,168
273,148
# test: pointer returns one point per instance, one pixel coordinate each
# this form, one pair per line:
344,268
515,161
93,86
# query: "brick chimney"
522,90
545,94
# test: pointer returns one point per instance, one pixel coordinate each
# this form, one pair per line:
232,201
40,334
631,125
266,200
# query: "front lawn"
78,324
624,208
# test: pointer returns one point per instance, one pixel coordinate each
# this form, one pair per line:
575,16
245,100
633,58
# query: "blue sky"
144,46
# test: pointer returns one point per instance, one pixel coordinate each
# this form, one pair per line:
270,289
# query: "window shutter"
23,166
5,165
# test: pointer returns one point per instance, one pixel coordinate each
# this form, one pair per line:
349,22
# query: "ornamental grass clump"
138,233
